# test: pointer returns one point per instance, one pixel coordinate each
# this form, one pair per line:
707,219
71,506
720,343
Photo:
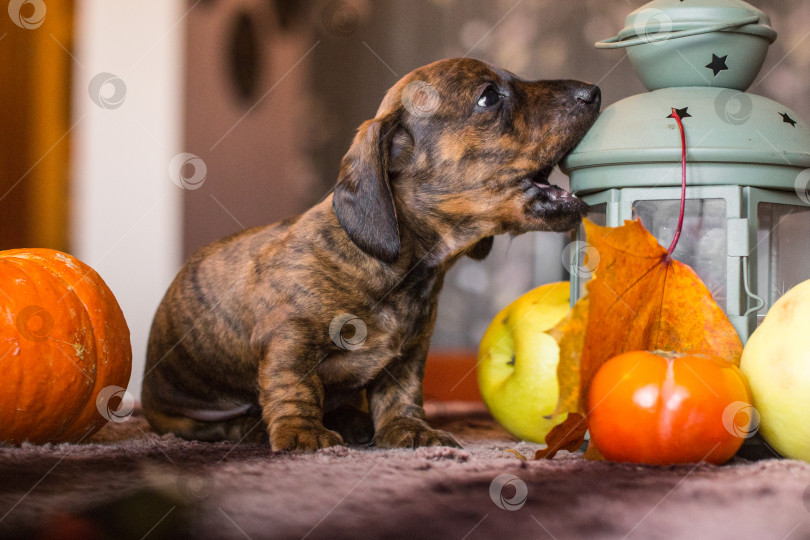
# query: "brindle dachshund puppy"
241,344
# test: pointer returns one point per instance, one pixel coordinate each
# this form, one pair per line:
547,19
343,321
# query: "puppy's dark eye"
489,97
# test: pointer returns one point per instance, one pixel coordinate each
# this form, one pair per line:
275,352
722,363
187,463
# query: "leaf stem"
674,243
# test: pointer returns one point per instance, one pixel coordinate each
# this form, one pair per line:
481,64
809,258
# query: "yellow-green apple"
776,361
517,362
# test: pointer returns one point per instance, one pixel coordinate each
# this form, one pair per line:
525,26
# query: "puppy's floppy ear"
363,201
480,249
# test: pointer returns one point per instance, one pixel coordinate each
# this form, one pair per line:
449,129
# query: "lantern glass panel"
783,244
597,213
702,244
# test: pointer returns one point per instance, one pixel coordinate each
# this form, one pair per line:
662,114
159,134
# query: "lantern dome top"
697,57
719,43
670,16
732,137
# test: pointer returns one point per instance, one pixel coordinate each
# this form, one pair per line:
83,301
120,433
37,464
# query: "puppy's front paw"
411,433
302,438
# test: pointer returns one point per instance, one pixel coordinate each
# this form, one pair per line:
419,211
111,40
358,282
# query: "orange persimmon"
664,408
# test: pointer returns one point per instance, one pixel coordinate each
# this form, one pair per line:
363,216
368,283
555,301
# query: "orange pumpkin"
63,341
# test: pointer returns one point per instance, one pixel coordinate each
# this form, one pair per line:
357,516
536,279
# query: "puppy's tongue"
541,178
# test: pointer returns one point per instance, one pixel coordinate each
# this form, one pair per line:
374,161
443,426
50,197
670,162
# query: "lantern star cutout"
787,119
680,112
717,64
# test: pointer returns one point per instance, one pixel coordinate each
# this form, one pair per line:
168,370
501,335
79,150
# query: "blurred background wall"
136,131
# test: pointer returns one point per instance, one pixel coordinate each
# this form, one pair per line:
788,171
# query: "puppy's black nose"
589,94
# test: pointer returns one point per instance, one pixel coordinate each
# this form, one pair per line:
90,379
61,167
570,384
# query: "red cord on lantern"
674,243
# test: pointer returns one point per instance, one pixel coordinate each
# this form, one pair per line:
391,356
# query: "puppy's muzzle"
560,209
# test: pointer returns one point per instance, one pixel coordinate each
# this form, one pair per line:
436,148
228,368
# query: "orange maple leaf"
639,299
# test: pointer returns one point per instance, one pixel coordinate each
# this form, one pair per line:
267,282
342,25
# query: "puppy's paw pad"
303,440
412,434
435,437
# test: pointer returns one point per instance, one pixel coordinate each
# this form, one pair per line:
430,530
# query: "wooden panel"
35,68
15,104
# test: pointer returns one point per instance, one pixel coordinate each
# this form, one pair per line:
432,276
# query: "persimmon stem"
678,229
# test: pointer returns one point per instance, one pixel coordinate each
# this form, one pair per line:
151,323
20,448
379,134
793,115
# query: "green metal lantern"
747,223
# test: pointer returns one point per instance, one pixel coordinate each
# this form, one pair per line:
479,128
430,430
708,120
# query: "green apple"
776,361
517,362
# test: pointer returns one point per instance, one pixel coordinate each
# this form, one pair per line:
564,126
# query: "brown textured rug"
127,482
